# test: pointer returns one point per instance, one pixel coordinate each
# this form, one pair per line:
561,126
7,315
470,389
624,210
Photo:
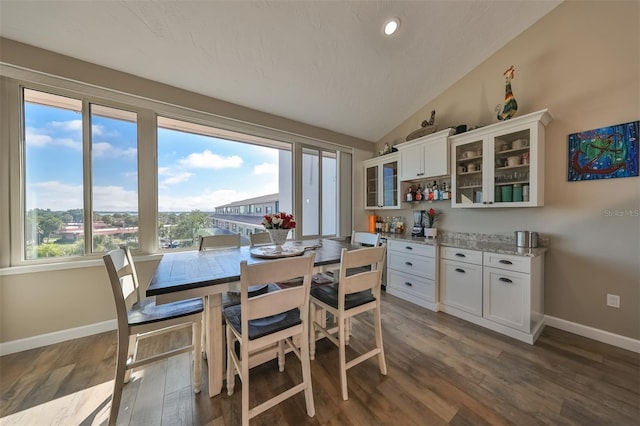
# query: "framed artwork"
605,153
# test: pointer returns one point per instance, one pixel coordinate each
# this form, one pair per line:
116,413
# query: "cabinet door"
461,286
371,181
506,298
390,185
436,158
412,166
467,177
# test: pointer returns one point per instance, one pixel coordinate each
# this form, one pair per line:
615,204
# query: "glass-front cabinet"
501,165
382,183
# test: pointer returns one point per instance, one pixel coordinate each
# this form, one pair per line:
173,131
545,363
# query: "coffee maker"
417,230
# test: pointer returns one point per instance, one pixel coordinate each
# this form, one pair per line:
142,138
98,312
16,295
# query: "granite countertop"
490,243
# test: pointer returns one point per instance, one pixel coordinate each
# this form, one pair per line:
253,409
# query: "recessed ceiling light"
391,26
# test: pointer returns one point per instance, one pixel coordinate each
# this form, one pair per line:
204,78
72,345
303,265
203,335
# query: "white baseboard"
20,345
594,333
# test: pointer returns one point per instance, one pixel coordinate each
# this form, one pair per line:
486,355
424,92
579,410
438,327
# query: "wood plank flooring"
441,370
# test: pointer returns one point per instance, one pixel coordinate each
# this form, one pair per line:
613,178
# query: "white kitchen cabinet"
425,157
512,292
500,165
501,292
461,281
382,185
412,272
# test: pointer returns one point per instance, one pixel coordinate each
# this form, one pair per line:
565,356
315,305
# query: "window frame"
12,200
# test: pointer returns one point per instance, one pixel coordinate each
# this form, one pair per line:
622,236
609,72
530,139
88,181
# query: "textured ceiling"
324,63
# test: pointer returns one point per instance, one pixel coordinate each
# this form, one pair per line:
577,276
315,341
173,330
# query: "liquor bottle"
418,196
436,191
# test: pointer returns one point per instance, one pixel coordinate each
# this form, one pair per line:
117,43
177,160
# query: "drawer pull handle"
460,255
460,270
506,262
408,263
409,248
408,284
505,280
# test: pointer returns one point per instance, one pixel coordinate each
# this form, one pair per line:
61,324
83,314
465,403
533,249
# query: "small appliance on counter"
526,239
418,230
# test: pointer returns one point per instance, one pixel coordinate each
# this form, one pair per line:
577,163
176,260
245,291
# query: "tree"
189,224
49,224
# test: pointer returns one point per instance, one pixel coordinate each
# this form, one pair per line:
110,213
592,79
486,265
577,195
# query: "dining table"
208,274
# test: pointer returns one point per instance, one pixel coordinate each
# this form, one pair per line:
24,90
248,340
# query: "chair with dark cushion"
353,294
141,318
266,322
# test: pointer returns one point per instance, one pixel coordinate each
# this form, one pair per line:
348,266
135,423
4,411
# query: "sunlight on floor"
86,407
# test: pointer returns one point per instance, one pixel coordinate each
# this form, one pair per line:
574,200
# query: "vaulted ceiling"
324,63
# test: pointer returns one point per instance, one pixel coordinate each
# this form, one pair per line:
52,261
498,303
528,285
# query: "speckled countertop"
497,243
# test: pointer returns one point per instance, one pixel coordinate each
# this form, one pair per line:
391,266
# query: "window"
319,192
59,191
204,177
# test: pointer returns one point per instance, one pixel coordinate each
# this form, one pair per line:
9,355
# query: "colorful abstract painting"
606,153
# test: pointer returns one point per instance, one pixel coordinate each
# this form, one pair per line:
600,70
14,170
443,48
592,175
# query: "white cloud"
209,160
58,196
206,201
34,137
68,126
106,150
177,178
163,170
114,198
265,169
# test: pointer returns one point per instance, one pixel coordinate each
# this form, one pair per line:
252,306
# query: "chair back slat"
124,280
279,301
365,238
259,238
372,279
219,241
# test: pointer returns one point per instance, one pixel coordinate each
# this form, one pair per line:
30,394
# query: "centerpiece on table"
430,231
278,226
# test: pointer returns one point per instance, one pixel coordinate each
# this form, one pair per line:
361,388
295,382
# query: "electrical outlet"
613,300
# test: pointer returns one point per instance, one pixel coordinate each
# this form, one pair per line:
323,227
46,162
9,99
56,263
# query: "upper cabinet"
425,157
382,185
500,165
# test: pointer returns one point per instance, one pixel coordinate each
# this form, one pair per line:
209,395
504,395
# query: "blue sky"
194,172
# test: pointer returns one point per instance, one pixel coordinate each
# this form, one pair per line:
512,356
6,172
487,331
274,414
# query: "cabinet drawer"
461,286
412,248
411,285
507,298
461,255
508,262
412,264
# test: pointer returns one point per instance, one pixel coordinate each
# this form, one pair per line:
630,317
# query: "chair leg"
379,345
196,339
281,355
203,338
312,331
132,352
343,357
306,374
244,376
119,381
231,366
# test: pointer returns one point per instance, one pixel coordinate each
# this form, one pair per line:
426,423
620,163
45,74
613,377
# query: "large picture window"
78,158
210,184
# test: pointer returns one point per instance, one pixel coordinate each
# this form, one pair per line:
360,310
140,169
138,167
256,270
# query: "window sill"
60,266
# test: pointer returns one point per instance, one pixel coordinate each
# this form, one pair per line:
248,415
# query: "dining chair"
353,294
260,238
139,318
365,238
270,321
219,241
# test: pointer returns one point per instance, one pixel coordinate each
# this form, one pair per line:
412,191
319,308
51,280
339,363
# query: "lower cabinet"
501,292
412,272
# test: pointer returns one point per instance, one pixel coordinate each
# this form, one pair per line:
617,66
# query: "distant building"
244,217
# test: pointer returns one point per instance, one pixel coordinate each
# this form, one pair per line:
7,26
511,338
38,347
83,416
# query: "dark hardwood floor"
441,370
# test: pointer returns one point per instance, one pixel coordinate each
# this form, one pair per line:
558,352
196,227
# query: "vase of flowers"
430,231
278,226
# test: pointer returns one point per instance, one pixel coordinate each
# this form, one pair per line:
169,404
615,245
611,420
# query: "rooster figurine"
510,104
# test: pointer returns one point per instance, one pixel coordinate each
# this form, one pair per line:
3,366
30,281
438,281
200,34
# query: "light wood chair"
260,238
351,295
365,238
219,241
269,321
140,318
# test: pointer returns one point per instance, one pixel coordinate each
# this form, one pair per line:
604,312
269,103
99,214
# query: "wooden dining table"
209,274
